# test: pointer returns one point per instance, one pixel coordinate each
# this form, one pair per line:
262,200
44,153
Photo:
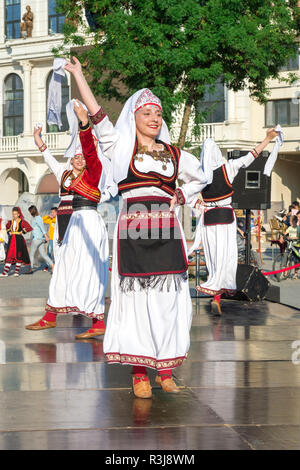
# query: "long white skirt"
80,275
147,327
221,256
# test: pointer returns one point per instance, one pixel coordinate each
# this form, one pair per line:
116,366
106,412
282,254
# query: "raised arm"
104,129
89,150
233,165
56,168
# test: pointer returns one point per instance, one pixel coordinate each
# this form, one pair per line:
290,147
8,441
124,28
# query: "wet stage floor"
240,389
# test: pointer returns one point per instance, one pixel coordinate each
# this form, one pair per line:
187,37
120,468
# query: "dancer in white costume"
216,228
65,205
151,310
80,276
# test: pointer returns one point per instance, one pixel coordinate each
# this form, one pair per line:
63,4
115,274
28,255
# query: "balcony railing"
9,144
57,141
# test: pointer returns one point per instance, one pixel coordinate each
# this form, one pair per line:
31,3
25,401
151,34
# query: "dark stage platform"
240,389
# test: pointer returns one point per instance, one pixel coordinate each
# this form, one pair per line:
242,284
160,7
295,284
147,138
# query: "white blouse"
189,171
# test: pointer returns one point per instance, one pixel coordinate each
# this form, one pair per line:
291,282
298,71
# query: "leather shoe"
215,307
142,389
91,333
41,325
168,385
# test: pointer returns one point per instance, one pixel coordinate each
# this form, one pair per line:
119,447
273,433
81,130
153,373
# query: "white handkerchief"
274,154
54,93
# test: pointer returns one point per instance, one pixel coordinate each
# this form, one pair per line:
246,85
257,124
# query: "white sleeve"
107,136
233,165
192,176
56,167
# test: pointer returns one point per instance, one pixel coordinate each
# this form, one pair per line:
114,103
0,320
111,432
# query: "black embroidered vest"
136,179
220,187
63,189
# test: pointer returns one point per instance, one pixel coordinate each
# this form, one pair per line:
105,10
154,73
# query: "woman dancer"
151,310
61,172
217,224
80,276
17,252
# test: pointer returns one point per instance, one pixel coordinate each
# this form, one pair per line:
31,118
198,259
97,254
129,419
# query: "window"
12,18
213,104
64,100
13,105
55,20
283,112
23,183
292,63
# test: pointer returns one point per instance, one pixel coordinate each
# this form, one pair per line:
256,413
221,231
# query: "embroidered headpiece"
147,97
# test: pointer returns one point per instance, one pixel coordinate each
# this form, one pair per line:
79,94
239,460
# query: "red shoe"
91,333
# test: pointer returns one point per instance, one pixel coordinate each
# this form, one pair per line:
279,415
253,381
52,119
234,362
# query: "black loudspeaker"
252,189
251,283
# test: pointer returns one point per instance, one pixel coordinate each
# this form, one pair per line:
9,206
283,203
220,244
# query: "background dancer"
17,252
80,276
217,224
151,311
61,172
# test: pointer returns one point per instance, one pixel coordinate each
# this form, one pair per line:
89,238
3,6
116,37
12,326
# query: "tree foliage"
177,47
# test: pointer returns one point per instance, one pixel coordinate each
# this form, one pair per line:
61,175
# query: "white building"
234,121
25,71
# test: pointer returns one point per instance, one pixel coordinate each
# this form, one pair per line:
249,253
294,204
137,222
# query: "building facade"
25,71
234,120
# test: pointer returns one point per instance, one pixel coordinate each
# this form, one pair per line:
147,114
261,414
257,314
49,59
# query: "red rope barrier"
282,270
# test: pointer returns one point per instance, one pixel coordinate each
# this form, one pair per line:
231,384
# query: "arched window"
12,18
13,105
55,20
64,100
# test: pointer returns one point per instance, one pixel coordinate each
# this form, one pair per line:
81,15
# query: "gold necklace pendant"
140,159
164,167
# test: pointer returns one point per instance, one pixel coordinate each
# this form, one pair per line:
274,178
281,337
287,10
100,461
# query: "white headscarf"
126,129
210,158
106,182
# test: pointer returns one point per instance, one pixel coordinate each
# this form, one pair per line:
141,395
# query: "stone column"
27,67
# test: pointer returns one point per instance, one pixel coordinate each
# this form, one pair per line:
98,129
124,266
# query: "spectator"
295,208
39,237
51,221
298,218
293,233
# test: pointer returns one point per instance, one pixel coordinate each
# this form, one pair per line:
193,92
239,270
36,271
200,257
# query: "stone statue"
27,25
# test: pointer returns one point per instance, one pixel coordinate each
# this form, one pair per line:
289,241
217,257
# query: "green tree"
178,47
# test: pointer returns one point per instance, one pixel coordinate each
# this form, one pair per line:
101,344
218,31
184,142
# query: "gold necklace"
157,155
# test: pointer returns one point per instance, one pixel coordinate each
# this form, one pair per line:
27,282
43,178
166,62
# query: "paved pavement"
239,387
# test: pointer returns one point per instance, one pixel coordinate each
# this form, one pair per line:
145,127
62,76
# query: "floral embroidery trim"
158,364
71,311
98,117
